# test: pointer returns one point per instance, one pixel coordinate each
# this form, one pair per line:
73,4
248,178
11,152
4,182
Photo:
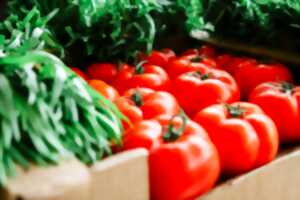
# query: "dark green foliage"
274,23
102,30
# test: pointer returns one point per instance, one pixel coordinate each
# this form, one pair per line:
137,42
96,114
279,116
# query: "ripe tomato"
104,89
197,90
231,64
281,101
79,73
243,134
183,162
132,112
148,76
180,66
205,51
144,103
160,58
251,75
102,71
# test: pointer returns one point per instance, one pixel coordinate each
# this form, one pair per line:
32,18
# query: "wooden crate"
122,176
278,180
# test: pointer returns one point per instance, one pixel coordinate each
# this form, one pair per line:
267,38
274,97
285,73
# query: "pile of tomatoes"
200,115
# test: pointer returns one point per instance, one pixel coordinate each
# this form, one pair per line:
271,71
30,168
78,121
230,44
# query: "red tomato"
182,65
244,136
79,73
224,60
160,58
281,101
105,71
197,90
183,162
231,64
132,112
143,103
209,62
104,89
205,51
148,76
251,75
102,71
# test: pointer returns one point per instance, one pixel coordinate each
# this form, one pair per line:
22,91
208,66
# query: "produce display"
201,111
86,79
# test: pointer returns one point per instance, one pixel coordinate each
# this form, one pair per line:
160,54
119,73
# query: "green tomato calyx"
172,133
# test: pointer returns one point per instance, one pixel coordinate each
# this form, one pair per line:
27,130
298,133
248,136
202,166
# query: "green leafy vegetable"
47,112
102,30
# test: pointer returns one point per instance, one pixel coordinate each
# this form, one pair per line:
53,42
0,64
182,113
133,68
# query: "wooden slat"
278,180
278,54
121,177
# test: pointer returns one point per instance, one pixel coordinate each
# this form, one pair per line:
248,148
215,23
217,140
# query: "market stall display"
82,80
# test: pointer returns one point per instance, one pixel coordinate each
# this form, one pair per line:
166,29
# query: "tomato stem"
137,98
172,133
196,59
287,87
119,64
197,74
139,68
235,111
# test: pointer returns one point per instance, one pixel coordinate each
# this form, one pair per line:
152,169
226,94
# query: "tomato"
224,60
104,89
251,75
197,90
102,71
243,134
205,51
144,103
281,101
183,162
182,65
160,58
132,112
79,73
231,64
148,76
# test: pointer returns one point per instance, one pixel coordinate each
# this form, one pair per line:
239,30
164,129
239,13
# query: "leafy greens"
47,113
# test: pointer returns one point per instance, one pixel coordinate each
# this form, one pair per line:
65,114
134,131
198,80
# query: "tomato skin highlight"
179,170
282,106
80,73
195,92
251,75
104,89
244,142
153,104
152,76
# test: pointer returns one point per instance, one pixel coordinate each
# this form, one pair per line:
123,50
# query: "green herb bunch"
47,113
